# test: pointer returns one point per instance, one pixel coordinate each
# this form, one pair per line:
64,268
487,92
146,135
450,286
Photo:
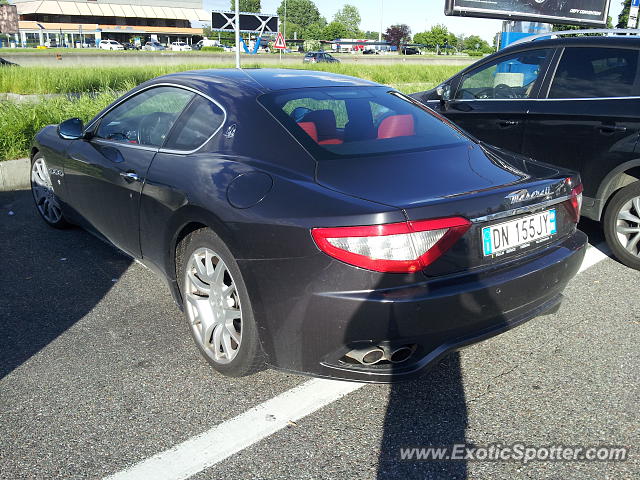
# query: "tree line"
304,21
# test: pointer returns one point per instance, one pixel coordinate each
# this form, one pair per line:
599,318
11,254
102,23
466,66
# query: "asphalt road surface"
98,374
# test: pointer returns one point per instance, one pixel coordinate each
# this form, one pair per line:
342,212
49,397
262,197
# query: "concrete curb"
16,97
15,174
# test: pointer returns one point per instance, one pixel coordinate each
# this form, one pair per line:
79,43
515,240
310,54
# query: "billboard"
224,21
8,19
591,13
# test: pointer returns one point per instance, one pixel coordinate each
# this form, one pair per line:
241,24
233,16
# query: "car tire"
622,225
231,346
47,202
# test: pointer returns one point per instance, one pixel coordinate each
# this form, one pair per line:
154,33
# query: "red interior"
391,127
310,128
396,126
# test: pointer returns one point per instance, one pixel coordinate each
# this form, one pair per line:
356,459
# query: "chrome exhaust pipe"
401,354
397,355
366,356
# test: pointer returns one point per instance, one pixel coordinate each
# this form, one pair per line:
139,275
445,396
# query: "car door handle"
130,176
508,123
611,128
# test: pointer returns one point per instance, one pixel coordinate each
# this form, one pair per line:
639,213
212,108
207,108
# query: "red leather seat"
310,128
396,126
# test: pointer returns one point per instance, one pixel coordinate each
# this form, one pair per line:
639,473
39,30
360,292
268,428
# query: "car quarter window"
146,118
198,123
509,77
595,72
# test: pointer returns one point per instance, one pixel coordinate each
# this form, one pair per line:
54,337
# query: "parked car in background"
572,102
206,42
7,63
409,51
322,223
319,57
153,46
370,51
180,47
110,45
131,46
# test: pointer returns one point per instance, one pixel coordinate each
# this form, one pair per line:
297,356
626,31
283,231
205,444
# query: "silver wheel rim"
628,226
43,194
213,305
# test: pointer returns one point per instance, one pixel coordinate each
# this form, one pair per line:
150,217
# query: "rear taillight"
394,247
575,202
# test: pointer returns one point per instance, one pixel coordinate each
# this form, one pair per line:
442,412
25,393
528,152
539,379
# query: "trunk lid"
481,183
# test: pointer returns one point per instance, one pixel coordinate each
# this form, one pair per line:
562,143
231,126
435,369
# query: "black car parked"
572,102
330,223
319,57
410,51
7,63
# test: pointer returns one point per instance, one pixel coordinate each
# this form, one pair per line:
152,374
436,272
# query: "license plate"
518,234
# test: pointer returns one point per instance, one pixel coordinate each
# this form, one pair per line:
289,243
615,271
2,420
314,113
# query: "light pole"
237,33
380,33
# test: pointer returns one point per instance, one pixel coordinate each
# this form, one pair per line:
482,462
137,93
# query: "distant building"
88,21
354,45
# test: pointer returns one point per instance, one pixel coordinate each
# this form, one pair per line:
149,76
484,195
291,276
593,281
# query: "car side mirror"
71,129
444,92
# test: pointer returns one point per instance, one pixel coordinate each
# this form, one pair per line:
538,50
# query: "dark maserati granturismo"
313,222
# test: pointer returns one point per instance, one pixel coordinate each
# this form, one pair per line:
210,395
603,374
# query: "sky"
420,15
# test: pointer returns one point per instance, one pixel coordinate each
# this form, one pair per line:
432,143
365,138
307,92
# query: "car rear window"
358,121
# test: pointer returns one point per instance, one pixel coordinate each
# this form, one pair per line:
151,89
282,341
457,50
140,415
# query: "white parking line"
595,254
234,435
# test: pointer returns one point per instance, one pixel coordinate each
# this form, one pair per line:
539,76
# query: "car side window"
595,72
146,118
510,77
197,125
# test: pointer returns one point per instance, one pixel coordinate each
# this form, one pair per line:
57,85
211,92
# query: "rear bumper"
322,319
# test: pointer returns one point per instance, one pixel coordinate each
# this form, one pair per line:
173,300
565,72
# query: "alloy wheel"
628,226
213,305
43,193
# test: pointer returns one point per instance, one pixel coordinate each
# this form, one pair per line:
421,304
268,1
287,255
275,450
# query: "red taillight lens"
394,247
576,202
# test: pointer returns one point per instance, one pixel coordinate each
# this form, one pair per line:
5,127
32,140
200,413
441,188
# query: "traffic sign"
280,43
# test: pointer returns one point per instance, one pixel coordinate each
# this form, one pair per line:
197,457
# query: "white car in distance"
110,45
180,47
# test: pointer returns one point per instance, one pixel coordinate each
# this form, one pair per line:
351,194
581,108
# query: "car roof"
268,79
600,41
284,79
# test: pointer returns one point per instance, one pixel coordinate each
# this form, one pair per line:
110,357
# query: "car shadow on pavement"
50,278
432,409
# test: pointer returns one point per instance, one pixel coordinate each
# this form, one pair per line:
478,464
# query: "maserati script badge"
523,195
